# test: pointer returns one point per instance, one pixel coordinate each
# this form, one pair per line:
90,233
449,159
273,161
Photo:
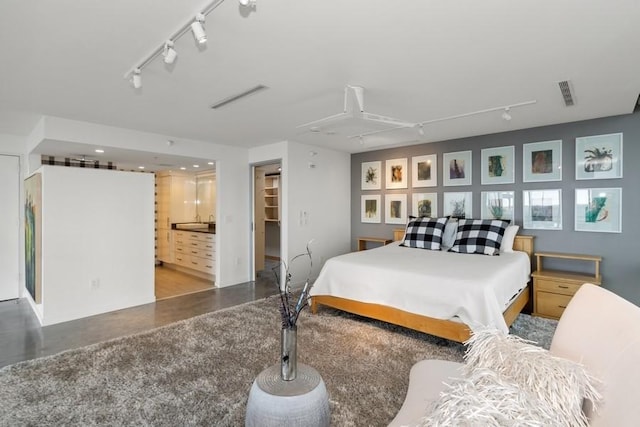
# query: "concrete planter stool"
300,402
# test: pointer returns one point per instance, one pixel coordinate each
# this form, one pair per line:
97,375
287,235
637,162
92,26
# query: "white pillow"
449,235
507,239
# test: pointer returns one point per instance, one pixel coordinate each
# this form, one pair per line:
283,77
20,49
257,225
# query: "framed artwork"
33,236
424,171
424,204
497,205
396,173
542,161
498,165
396,208
458,205
599,157
599,210
371,175
370,208
542,209
456,168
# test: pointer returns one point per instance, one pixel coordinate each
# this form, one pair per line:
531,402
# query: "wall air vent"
233,98
567,93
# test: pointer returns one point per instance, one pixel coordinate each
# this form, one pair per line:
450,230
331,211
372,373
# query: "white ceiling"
418,61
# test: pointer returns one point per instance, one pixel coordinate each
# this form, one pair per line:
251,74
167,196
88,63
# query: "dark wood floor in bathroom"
22,337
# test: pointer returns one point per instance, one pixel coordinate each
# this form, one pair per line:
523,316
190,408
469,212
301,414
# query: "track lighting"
421,129
248,3
198,29
169,53
166,49
506,115
136,78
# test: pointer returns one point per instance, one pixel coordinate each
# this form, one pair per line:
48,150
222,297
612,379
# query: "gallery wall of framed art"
582,160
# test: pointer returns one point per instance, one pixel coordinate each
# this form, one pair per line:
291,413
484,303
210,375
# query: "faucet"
211,218
197,218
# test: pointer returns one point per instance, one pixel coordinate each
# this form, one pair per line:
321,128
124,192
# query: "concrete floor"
22,337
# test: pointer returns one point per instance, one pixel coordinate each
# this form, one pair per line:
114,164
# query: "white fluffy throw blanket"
511,382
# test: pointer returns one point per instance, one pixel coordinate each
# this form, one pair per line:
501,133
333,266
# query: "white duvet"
474,289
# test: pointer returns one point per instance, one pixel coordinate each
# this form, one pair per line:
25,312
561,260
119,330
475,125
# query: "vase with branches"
290,308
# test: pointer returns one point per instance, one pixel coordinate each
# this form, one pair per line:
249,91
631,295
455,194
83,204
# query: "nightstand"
553,289
362,242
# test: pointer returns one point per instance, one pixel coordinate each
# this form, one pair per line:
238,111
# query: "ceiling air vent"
567,95
233,98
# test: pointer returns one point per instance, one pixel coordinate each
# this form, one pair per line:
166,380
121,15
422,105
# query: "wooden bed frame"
455,331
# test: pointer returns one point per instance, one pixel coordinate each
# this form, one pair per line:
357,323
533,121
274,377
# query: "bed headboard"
524,244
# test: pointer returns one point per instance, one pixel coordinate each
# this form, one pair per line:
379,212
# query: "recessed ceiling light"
196,166
183,168
140,167
210,163
99,150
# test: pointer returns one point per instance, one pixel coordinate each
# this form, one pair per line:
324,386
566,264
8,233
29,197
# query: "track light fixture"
167,50
247,3
421,129
169,53
136,79
198,29
506,115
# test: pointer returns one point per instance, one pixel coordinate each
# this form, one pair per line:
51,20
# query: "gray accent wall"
620,253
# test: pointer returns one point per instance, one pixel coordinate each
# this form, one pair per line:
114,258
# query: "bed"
373,284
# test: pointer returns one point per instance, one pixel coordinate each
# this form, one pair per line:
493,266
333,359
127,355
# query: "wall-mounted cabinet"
206,197
272,198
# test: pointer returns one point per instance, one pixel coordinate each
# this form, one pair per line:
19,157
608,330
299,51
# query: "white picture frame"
497,205
370,208
396,173
457,168
542,209
424,204
498,165
371,178
598,210
424,171
458,204
395,208
542,161
599,156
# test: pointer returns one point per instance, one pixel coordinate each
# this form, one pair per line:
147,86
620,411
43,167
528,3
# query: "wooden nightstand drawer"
551,305
556,286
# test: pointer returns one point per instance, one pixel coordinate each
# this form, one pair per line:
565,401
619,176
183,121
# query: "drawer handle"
562,306
563,287
194,252
194,244
209,266
194,263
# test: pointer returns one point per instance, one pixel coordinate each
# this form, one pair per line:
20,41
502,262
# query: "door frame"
252,195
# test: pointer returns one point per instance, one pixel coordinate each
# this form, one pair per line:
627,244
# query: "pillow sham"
479,236
424,233
509,237
449,234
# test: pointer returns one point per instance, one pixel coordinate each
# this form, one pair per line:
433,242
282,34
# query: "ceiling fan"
353,115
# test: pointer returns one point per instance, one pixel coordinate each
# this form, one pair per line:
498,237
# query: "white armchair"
598,329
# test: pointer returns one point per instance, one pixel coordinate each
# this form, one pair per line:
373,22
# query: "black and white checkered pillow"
424,233
479,236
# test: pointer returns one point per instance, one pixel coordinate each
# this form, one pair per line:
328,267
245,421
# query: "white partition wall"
9,227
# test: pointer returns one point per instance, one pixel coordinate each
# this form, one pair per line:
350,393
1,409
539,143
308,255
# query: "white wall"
15,145
232,174
97,242
315,201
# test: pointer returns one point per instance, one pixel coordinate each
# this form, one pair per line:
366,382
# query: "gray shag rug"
199,371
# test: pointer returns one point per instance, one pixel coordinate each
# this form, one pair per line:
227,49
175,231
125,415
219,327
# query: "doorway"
267,214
